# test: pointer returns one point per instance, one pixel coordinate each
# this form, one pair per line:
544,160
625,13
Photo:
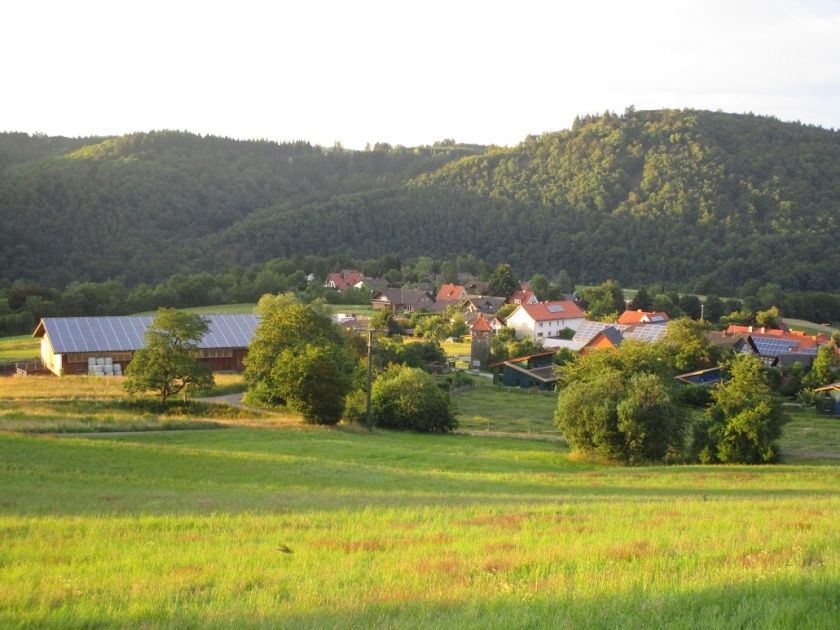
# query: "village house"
545,319
535,370
452,292
106,345
777,347
643,317
344,279
523,296
402,300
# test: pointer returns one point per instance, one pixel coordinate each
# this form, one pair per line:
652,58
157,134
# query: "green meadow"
266,522
19,348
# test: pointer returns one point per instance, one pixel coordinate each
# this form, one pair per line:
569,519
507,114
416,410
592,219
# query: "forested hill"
706,201
141,207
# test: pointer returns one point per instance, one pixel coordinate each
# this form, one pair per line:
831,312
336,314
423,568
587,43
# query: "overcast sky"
406,72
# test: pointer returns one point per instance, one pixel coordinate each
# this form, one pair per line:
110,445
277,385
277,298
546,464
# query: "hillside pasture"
19,348
73,404
310,527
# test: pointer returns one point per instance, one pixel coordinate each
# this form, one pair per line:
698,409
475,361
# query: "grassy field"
21,347
809,432
487,407
812,328
98,404
306,527
270,522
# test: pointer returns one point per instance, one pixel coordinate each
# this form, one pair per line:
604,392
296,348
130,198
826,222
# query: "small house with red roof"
451,292
643,317
545,319
523,296
481,335
344,279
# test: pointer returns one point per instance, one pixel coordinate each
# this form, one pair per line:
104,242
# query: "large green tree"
604,302
167,364
299,358
745,418
619,404
502,282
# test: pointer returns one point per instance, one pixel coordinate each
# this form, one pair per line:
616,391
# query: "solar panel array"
769,347
650,333
555,308
127,333
588,330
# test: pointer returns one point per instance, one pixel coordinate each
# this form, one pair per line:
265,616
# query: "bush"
408,398
694,395
625,419
745,419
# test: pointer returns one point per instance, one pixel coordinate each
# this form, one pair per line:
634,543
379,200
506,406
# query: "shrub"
694,395
630,420
408,398
745,419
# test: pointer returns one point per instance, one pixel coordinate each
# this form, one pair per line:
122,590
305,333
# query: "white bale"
91,361
109,361
100,361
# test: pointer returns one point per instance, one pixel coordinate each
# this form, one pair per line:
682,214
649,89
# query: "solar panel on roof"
128,333
555,308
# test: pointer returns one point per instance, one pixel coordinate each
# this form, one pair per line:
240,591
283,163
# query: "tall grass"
312,527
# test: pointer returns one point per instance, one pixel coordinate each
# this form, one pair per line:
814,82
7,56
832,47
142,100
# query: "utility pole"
370,332
702,311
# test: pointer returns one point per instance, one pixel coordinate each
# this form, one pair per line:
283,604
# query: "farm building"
535,370
828,402
106,345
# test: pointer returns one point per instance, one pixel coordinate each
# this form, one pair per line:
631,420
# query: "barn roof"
128,333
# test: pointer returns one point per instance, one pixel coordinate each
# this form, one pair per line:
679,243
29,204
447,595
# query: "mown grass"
487,407
808,431
307,527
20,347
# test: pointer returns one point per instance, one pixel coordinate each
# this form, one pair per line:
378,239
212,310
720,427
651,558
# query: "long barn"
83,345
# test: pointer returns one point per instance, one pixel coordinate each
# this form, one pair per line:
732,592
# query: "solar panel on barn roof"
128,333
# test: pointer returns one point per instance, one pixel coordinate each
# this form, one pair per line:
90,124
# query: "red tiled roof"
345,278
638,317
521,296
481,325
804,340
560,309
451,292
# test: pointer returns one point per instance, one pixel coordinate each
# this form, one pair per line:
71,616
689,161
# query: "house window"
539,334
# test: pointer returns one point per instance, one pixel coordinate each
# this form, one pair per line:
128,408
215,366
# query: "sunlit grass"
19,348
488,407
312,527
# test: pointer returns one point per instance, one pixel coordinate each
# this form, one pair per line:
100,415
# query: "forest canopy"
704,201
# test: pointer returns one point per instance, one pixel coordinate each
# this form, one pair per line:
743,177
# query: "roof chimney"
749,328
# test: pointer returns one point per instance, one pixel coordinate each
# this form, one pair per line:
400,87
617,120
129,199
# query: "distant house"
402,300
523,296
643,317
485,304
344,279
778,347
536,370
607,338
451,292
106,345
372,284
545,319
829,402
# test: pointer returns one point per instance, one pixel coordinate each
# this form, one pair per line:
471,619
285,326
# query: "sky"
406,72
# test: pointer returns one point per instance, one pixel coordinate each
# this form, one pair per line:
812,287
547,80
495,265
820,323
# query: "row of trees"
623,404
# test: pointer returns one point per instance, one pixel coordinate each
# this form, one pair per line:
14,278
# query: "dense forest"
702,201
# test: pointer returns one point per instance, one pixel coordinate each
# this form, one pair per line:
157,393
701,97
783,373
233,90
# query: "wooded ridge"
705,201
